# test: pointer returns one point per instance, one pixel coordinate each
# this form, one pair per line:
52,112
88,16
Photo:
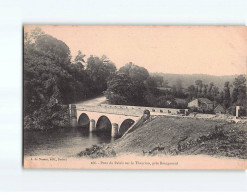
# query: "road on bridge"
93,102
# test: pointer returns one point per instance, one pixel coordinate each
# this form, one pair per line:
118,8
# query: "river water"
65,142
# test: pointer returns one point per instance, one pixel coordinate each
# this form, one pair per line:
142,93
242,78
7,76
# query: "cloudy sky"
169,49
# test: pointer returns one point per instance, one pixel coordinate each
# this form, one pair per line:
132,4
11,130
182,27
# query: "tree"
159,80
167,101
141,82
151,85
99,72
36,33
136,73
192,92
226,95
205,90
215,93
209,93
118,89
179,89
46,60
79,59
53,49
199,87
220,98
239,91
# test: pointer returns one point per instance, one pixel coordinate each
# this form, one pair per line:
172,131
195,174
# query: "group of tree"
52,78
133,85
231,95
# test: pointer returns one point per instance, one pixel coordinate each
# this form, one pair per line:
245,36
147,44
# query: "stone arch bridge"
117,118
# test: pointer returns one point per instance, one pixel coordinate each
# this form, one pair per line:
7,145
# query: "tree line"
233,94
132,85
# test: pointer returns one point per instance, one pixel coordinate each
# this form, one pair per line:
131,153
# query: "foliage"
79,59
99,71
122,90
239,91
45,59
136,73
132,85
225,97
52,78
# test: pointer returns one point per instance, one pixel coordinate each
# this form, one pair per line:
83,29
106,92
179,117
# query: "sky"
214,50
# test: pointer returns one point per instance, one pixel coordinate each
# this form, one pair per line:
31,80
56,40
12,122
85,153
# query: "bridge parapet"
140,109
112,110
130,110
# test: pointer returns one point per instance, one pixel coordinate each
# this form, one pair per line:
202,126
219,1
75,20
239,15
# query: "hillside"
178,136
189,79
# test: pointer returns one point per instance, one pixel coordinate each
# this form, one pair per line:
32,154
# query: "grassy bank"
189,136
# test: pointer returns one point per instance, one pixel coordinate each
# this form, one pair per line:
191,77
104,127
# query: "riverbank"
48,117
165,135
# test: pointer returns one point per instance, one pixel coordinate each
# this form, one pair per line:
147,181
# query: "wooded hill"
189,79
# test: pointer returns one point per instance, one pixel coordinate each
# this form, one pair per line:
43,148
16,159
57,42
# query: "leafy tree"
239,91
192,92
209,93
179,89
205,90
199,85
136,73
166,101
79,59
118,90
226,95
215,91
159,80
234,95
45,70
99,72
140,80
151,85
45,59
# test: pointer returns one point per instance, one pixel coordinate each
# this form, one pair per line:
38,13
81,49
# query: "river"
64,142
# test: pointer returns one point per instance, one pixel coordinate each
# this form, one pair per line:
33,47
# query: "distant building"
219,109
203,104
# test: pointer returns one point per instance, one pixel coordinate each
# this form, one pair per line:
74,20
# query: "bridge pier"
73,116
114,130
92,125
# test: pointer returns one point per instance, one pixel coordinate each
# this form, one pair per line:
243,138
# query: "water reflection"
65,142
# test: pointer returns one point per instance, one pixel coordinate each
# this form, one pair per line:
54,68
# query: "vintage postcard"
134,97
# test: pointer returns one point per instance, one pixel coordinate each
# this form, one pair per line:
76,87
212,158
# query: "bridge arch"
104,123
83,120
126,124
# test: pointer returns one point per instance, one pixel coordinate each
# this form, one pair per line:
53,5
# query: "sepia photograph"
134,97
